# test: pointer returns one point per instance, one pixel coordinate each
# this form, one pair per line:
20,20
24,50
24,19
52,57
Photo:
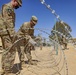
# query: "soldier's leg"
1,69
19,52
20,55
63,46
66,46
23,54
28,55
8,63
7,42
40,47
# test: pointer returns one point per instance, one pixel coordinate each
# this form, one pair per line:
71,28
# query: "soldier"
8,17
64,43
38,39
27,30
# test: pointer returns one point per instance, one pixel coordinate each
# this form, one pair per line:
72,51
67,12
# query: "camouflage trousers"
64,45
8,55
27,51
8,60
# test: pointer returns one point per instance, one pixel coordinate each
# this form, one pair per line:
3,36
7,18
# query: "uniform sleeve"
6,11
24,29
32,33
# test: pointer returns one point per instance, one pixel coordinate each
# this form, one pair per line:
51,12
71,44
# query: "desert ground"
71,56
50,63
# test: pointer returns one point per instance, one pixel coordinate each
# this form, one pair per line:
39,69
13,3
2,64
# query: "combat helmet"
34,19
19,2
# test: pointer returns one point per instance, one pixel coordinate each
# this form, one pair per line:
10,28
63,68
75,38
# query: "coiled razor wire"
54,64
58,17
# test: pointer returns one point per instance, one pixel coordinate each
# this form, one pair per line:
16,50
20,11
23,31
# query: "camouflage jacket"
26,29
7,18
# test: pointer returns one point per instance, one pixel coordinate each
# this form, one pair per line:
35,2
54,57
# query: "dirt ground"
45,59
71,56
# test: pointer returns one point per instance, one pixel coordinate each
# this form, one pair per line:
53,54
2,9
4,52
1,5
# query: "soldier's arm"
24,29
6,11
32,33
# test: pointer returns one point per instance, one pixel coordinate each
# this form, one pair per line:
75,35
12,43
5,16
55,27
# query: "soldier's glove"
31,41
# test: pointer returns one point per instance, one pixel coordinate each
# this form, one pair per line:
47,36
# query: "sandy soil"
71,56
47,62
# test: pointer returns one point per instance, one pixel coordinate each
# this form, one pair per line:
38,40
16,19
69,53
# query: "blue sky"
66,9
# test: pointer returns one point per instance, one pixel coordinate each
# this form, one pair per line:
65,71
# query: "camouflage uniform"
38,39
8,17
27,30
64,42
9,20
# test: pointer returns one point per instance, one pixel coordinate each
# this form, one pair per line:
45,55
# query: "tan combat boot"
30,62
2,72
